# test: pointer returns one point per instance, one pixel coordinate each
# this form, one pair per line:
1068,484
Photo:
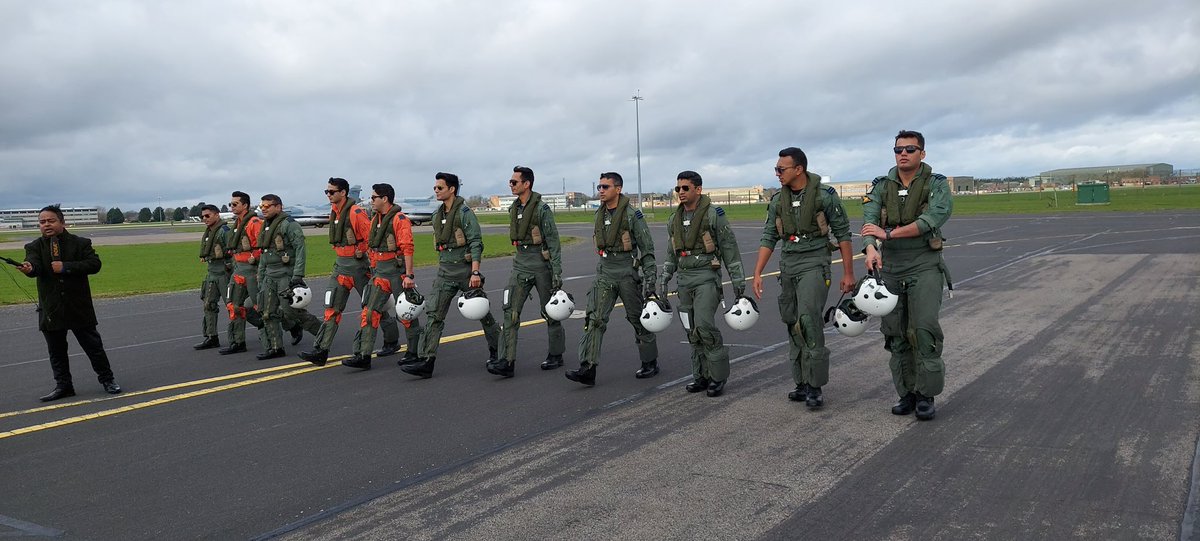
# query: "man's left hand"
56,266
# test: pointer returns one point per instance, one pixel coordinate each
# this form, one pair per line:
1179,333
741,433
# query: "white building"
72,215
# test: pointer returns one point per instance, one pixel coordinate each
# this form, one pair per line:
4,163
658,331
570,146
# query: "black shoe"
648,370
232,348
716,388
317,356
586,376
799,394
552,362
271,354
358,361
208,343
905,405
389,348
697,385
491,355
925,409
501,368
57,393
111,387
408,358
422,368
297,334
814,400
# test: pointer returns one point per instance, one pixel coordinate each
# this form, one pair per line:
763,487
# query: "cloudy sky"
128,103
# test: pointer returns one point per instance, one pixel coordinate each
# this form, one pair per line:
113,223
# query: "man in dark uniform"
61,262
903,215
216,278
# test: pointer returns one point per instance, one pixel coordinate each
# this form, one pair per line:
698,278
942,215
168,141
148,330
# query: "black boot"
358,361
297,334
925,409
584,375
814,399
271,354
208,343
697,385
905,405
236,347
422,368
716,388
389,348
552,362
800,394
317,356
409,357
491,355
501,368
648,370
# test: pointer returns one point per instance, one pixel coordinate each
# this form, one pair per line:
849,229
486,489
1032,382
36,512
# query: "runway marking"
28,528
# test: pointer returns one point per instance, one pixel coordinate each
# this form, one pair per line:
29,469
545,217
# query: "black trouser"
93,346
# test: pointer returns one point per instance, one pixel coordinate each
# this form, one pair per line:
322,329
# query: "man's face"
379,203
49,223
209,217
688,193
608,190
905,160
335,195
441,191
787,171
516,185
238,208
270,210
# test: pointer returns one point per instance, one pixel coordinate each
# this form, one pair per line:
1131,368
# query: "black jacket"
66,298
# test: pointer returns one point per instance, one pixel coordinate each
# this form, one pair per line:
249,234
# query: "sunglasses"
234,203
438,188
331,192
206,216
514,182
603,186
780,170
683,189
266,206
911,149
374,197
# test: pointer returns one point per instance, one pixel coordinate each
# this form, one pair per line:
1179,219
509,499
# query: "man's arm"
295,237
839,224
88,262
730,253
551,240
766,247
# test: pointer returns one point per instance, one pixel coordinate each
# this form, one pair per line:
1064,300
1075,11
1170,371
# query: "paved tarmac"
1072,410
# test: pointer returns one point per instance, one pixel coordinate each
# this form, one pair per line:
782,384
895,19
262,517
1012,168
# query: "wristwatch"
888,232
476,273
411,276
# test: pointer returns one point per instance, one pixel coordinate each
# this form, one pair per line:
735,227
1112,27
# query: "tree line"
116,216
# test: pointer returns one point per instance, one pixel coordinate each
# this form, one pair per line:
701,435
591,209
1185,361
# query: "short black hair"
386,190
615,177
906,134
692,176
211,208
243,196
274,199
340,184
796,155
526,173
57,210
451,180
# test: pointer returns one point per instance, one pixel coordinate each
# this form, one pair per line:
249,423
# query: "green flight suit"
625,268
699,267
216,280
387,282
536,264
283,258
804,273
914,270
461,245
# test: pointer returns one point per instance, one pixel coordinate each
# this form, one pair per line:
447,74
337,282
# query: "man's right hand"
26,267
873,260
756,285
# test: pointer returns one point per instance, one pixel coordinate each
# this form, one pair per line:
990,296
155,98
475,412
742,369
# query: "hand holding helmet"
656,315
410,304
873,296
744,312
560,306
474,304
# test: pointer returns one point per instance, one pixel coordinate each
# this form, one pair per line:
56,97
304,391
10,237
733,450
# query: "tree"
476,201
145,215
131,216
179,214
102,215
115,216
159,215
224,208
196,209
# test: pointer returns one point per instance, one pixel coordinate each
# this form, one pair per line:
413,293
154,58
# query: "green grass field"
154,268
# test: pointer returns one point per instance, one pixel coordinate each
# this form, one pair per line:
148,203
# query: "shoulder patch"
359,210
720,211
545,207
830,190
638,213
866,199
877,181
776,196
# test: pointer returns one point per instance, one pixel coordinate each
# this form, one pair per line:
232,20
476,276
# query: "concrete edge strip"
1191,513
29,528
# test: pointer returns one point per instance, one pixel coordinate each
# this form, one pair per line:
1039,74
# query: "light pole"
637,119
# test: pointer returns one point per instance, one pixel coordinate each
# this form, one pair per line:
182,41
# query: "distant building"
1111,173
72,215
961,184
557,201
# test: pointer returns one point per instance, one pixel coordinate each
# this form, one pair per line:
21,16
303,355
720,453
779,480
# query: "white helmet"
657,315
474,304
410,305
299,297
873,297
743,314
848,319
560,306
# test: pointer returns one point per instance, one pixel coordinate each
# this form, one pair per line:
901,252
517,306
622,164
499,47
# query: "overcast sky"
131,103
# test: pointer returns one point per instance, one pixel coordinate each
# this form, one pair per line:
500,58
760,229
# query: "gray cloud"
124,103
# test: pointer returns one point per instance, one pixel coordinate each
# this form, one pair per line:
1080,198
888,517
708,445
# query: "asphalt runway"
1072,410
